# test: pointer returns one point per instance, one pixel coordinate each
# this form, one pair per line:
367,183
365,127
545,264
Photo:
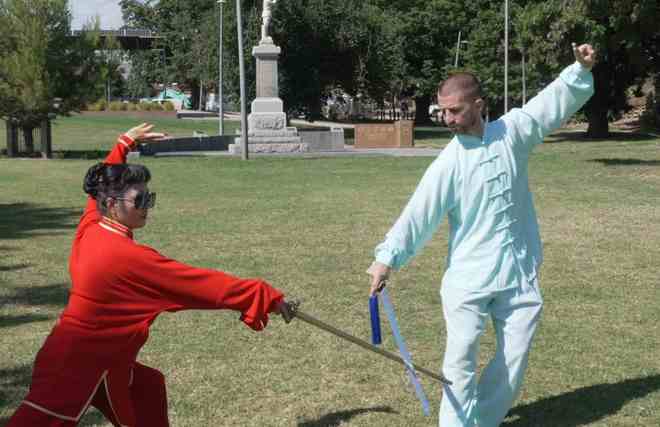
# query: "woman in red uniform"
118,289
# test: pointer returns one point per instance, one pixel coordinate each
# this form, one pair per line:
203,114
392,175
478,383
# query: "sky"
84,10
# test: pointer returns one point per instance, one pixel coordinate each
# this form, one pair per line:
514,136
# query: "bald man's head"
462,83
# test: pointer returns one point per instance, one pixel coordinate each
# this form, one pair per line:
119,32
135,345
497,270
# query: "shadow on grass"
583,406
14,383
13,267
334,419
51,295
81,154
9,321
626,162
23,220
580,136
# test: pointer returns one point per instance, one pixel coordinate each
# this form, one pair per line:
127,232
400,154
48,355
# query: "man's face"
461,114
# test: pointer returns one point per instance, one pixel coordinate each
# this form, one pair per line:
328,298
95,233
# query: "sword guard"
288,310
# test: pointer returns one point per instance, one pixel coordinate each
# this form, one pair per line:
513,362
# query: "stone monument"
267,130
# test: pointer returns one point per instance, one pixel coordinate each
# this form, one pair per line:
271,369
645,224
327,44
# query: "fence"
23,141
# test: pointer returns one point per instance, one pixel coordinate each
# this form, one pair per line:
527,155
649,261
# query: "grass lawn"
309,226
89,132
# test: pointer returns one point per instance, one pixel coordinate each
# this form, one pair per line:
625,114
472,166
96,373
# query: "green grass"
97,131
309,226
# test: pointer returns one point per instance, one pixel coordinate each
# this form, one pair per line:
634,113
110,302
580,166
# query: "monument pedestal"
267,130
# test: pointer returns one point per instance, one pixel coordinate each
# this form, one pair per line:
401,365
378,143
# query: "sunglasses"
143,200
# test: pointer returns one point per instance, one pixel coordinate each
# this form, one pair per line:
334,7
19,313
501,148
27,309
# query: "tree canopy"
389,48
43,70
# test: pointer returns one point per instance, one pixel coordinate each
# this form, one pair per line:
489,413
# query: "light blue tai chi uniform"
494,247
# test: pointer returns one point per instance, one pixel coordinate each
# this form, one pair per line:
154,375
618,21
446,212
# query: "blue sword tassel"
375,320
403,350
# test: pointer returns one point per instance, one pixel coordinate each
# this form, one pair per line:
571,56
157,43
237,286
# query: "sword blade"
364,344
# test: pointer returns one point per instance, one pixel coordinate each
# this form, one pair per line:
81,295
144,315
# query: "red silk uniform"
118,289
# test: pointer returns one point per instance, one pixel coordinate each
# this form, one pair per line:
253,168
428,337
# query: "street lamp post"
221,111
524,82
458,47
506,56
459,42
241,69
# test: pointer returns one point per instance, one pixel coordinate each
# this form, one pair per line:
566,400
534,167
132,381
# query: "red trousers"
137,399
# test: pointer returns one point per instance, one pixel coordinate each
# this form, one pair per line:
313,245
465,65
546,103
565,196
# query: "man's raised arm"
557,102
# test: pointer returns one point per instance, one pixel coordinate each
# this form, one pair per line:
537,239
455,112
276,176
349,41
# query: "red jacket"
118,289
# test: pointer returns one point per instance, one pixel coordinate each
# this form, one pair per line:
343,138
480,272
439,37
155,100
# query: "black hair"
105,180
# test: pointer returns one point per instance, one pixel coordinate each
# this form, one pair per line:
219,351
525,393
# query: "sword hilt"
288,309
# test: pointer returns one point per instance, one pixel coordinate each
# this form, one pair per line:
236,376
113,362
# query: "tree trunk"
422,110
656,89
597,107
12,138
28,139
46,140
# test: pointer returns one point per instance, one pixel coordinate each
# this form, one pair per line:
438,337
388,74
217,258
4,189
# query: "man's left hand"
585,55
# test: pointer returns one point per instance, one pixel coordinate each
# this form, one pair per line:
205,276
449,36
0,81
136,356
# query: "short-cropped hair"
463,82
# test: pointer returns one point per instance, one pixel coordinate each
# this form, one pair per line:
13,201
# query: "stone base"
270,147
269,122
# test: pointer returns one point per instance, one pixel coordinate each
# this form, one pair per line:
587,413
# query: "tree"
621,31
188,48
330,45
43,71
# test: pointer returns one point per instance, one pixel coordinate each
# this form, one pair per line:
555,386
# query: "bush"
131,106
117,106
650,118
168,106
145,106
99,105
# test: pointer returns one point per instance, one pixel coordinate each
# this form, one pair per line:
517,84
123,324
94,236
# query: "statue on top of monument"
266,15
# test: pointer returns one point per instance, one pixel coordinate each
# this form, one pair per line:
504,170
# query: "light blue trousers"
515,314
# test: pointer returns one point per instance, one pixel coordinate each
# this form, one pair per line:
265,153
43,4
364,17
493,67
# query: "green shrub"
117,106
168,106
131,106
650,118
99,105
145,106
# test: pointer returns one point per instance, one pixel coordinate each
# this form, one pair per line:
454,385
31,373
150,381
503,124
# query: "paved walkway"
349,151
233,116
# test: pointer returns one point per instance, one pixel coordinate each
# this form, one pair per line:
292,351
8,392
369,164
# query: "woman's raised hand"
143,132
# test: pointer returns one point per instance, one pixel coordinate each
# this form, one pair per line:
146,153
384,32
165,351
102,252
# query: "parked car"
174,96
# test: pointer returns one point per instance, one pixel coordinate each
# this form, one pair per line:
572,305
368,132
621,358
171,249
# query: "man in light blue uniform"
480,182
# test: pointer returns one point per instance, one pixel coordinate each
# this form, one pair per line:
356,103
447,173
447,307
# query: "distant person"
404,110
480,182
118,289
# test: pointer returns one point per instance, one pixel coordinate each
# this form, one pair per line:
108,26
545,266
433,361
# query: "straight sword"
295,312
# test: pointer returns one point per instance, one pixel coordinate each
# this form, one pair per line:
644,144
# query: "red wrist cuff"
126,140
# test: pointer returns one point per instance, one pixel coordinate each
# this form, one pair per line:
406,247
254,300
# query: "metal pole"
524,83
458,47
201,96
241,66
506,56
221,112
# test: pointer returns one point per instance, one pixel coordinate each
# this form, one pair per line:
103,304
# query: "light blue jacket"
482,186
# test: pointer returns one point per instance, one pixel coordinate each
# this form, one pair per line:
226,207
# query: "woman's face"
124,211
